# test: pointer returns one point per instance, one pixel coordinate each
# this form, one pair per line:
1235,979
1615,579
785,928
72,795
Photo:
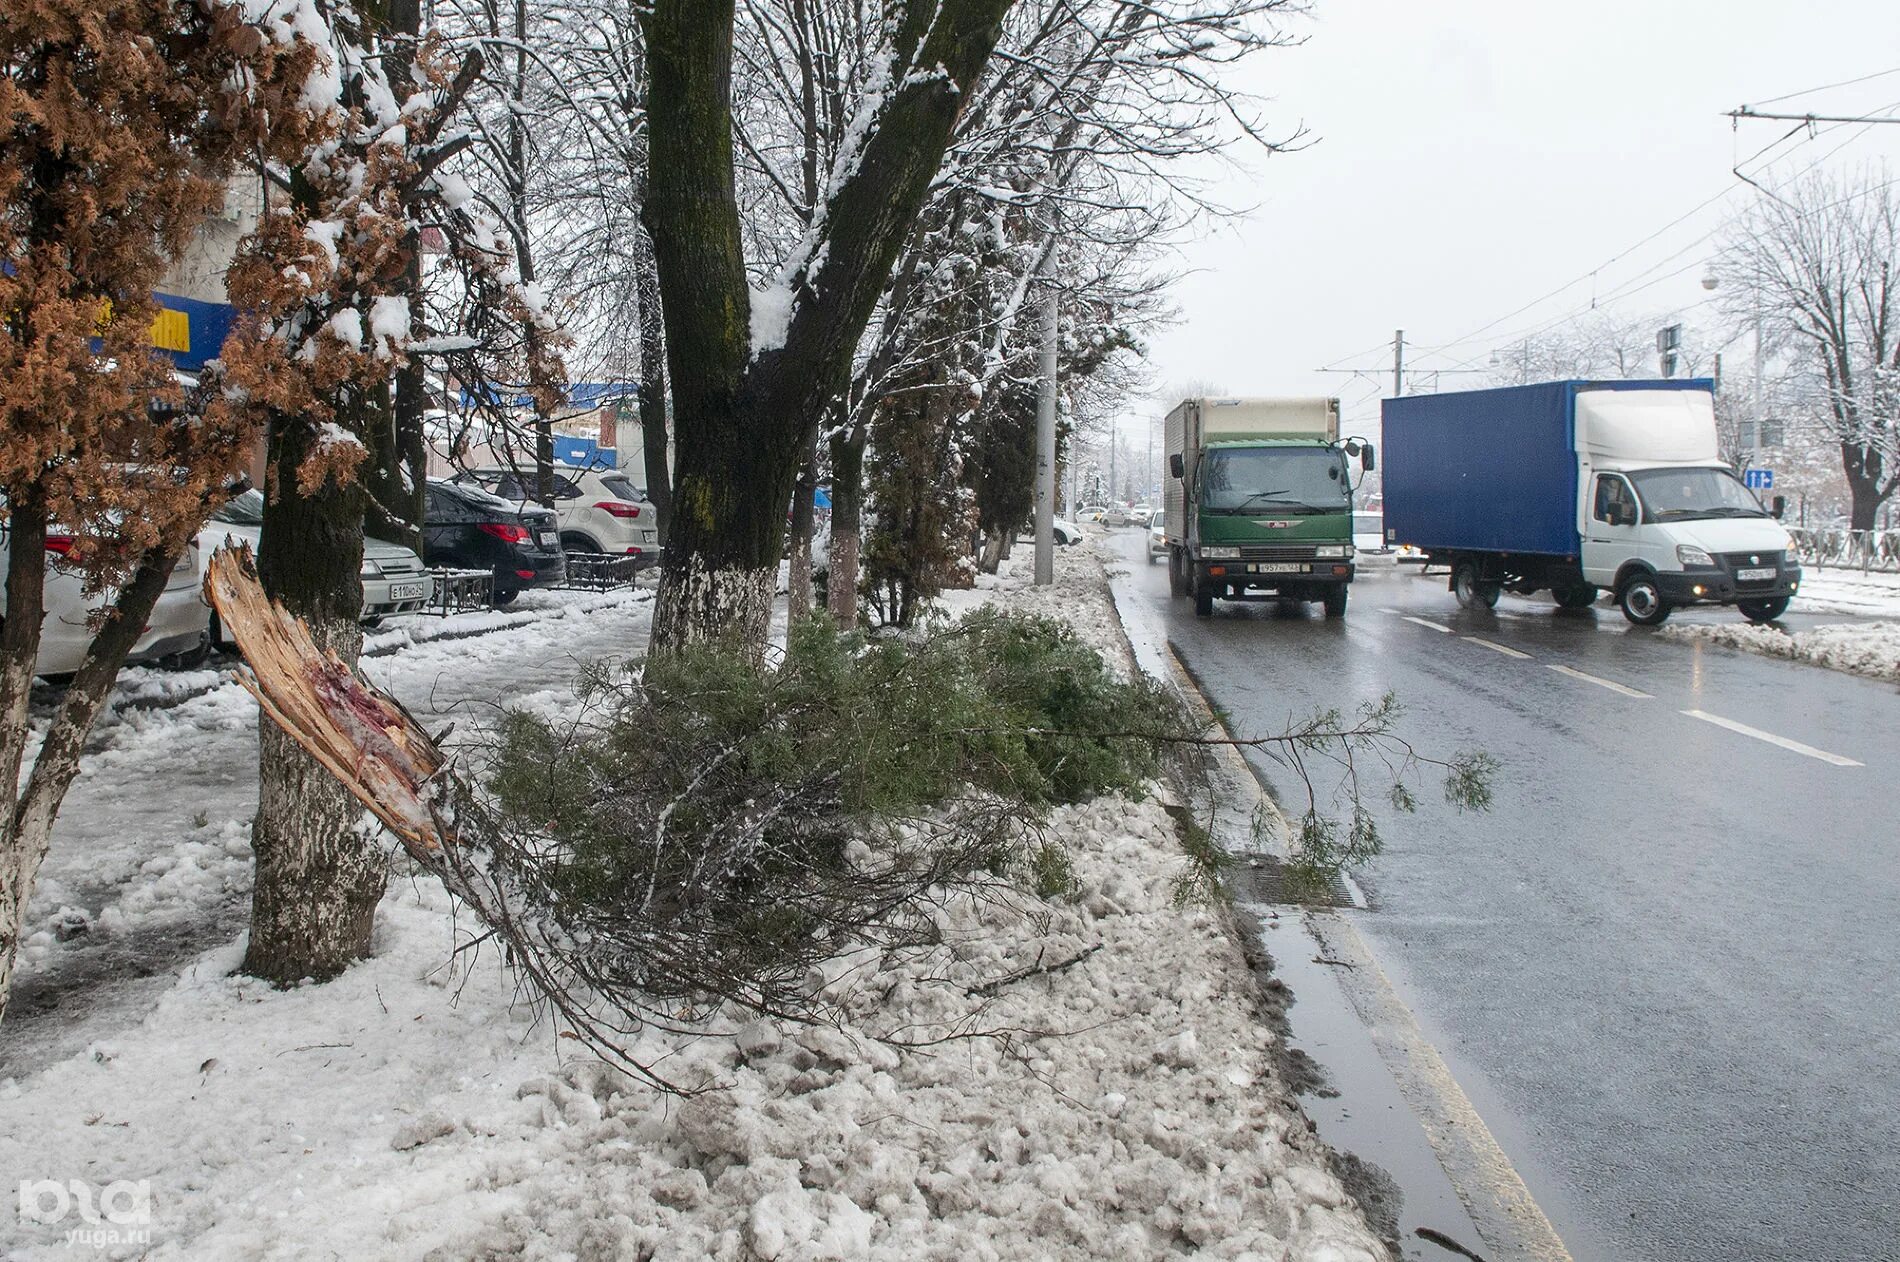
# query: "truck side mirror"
1177,466
1779,506
1367,461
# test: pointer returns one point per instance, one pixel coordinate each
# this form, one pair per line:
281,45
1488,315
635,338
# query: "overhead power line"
1828,87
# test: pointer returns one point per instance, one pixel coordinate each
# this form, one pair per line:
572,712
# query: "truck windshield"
1684,494
1279,479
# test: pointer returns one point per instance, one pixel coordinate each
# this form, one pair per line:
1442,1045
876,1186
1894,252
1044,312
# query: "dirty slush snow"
1123,1107
1858,648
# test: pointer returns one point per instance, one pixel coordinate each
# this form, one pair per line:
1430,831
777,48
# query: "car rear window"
621,487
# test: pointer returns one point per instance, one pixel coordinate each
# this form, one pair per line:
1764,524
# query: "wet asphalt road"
1666,965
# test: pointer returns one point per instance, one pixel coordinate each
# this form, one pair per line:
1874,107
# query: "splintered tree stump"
361,735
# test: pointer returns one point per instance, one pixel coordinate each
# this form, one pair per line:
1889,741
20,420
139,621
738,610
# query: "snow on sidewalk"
1872,593
1859,648
1127,1107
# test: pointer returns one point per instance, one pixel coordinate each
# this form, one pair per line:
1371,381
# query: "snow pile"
1849,591
1127,1109
1862,648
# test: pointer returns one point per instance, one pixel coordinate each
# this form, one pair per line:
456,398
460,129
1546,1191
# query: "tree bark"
318,877
804,516
652,397
847,525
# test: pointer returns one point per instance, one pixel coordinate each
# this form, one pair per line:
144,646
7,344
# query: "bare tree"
1816,260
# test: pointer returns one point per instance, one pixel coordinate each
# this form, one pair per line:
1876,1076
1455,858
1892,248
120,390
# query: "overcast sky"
1469,156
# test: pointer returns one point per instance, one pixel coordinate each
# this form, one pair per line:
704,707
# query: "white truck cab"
1663,521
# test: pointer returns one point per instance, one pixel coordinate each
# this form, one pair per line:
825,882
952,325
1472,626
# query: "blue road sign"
1760,479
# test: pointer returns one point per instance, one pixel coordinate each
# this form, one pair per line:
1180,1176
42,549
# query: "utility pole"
1046,428
1398,363
1754,446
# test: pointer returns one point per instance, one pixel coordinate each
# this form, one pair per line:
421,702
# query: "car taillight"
615,508
503,531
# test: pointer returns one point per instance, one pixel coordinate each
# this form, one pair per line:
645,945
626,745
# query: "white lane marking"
1433,625
1772,739
1500,648
1611,684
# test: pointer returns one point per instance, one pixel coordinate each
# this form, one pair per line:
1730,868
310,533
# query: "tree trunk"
993,551
804,517
26,828
847,525
1863,466
652,397
745,403
319,878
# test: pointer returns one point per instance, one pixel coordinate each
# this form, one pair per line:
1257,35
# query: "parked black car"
466,528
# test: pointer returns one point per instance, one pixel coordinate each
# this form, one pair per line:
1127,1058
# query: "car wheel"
1580,597
505,597
1642,601
1471,590
572,541
1763,610
1336,602
190,659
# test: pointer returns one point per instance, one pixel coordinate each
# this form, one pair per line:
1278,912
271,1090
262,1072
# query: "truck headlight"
1333,551
1221,554
1691,557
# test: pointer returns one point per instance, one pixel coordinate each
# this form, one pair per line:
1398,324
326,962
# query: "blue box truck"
1583,487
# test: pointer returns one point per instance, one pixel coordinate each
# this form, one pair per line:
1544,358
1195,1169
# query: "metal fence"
600,571
461,591
1847,549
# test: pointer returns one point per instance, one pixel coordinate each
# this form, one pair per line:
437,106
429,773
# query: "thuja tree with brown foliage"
117,128
753,375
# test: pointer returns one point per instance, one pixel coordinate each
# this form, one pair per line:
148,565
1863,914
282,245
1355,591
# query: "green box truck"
1259,501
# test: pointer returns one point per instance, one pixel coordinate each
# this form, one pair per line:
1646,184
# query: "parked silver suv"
600,510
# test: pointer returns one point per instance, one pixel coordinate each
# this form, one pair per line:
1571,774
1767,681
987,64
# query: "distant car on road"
1090,513
1157,537
1115,515
600,510
394,581
465,527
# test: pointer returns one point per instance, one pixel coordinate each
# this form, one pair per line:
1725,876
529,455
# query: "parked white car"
600,510
177,633
394,580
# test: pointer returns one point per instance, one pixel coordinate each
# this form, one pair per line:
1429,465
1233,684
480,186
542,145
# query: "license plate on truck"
1277,567
1766,574
408,591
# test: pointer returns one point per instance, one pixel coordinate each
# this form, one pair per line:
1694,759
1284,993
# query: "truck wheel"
1642,601
1763,610
1335,602
1203,601
1177,576
1473,592
1580,597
